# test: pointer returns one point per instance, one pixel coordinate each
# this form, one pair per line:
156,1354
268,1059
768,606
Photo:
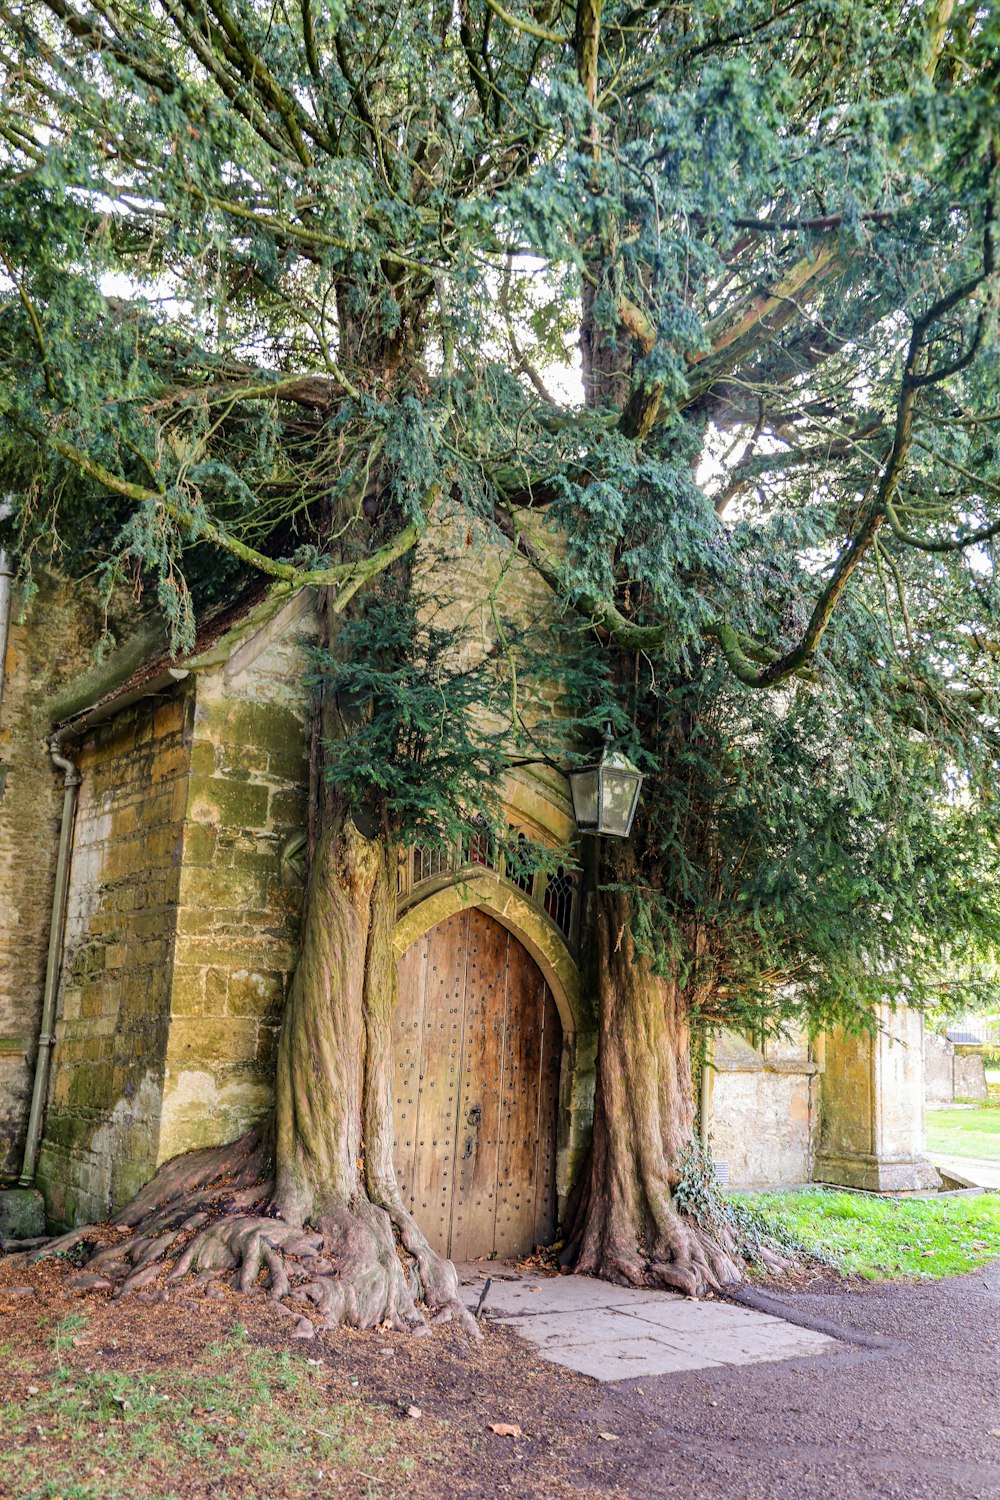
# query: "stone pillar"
872,1132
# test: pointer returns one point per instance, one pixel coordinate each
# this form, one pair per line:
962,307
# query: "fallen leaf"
505,1429
609,1437
414,1412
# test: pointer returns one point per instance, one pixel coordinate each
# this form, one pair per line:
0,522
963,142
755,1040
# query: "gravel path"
908,1408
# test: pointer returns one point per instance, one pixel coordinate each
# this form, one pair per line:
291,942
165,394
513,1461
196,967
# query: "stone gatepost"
872,1131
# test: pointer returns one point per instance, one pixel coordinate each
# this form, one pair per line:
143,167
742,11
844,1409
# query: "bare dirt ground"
908,1406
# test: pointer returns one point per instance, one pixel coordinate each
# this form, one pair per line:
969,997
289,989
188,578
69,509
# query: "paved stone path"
616,1333
974,1169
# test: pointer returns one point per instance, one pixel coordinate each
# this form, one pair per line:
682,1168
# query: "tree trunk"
308,1205
626,1227
333,1091
321,1051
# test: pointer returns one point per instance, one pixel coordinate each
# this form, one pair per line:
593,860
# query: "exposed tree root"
685,1257
305,1211
206,1215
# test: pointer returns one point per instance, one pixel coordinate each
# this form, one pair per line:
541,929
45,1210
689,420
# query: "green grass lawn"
247,1422
965,1132
882,1238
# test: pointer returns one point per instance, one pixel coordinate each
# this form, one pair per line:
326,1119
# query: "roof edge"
118,682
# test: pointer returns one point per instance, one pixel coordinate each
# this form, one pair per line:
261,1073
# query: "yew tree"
691,308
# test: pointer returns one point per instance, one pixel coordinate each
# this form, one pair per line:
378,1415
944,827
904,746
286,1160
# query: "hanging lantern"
606,794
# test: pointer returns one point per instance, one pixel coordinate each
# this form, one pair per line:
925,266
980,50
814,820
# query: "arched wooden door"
476,1044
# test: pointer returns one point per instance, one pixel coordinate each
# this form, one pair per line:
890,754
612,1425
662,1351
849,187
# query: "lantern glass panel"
584,785
619,796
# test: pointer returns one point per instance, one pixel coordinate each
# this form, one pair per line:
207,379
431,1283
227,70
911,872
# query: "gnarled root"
238,1170
693,1262
208,1214
681,1255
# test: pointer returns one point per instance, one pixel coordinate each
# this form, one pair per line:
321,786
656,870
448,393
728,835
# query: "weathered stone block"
92,1000
288,765
255,861
211,887
234,804
203,760
203,1042
267,726
288,809
255,994
169,717
187,993
216,991
241,761
199,844
22,1214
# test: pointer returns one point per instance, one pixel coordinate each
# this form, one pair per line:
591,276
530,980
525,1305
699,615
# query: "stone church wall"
103,1122
764,1111
46,648
182,925
240,899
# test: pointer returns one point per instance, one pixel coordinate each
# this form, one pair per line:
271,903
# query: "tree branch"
530,28
346,578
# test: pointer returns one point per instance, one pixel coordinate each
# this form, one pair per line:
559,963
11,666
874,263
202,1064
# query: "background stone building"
181,925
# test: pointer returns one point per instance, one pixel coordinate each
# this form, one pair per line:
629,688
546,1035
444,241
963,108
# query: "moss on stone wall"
239,912
103,1124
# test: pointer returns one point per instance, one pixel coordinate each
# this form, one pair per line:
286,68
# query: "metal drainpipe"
57,928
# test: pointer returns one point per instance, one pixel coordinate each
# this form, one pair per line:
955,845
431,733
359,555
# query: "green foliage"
882,1238
419,743
279,290
699,1194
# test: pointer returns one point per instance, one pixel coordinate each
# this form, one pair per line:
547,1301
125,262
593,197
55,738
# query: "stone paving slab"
618,1333
974,1169
625,1359
516,1292
684,1316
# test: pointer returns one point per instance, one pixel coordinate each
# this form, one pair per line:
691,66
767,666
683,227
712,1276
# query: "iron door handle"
474,1117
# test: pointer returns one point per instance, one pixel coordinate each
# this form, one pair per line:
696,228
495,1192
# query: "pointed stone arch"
515,911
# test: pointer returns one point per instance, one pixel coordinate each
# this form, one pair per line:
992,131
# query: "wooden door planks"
477,1046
